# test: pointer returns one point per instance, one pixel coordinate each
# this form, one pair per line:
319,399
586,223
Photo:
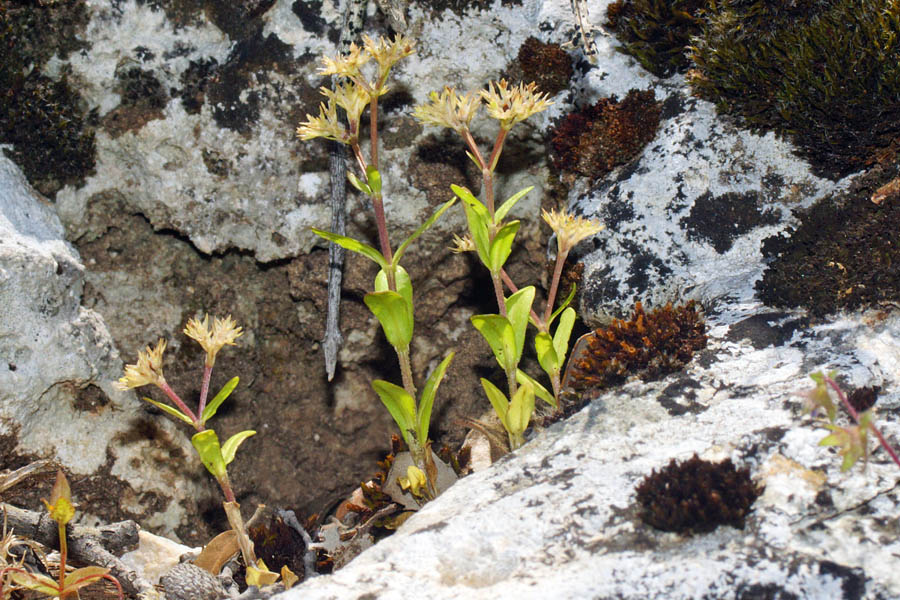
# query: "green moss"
823,72
656,32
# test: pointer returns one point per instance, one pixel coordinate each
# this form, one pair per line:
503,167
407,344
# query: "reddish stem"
853,413
204,389
181,405
541,325
554,284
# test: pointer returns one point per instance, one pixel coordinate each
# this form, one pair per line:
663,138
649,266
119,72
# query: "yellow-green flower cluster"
449,109
147,370
569,229
223,332
512,104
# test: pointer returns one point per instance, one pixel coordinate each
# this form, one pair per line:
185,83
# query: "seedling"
61,510
215,456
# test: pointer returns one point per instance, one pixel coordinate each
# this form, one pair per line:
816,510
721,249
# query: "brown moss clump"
548,65
594,140
843,255
649,346
696,496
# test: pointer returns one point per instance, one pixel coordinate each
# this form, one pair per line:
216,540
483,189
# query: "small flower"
223,332
325,125
509,105
449,109
414,480
462,244
60,504
352,98
388,53
346,65
569,229
147,371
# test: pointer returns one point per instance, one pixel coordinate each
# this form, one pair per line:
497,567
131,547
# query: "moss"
696,496
822,72
548,65
593,141
52,141
842,256
41,118
656,32
649,346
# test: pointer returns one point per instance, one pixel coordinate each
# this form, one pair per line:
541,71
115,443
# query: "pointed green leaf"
501,245
400,404
498,400
546,353
479,226
79,578
394,313
474,160
422,229
539,390
35,581
562,334
170,409
521,408
374,178
404,286
428,394
219,398
358,184
353,245
206,443
518,309
229,448
562,306
510,202
500,336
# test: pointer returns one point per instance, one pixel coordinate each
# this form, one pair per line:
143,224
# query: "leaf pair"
551,351
514,414
208,412
493,239
213,456
72,582
413,421
506,335
394,309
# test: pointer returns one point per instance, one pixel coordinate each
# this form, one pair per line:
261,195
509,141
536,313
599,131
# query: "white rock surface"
57,365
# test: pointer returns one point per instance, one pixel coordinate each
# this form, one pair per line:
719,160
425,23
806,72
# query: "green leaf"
501,245
427,400
229,448
546,353
562,306
36,581
562,334
518,308
353,245
374,178
510,202
206,443
500,336
479,222
404,286
422,229
521,408
539,390
395,315
170,409
79,578
400,404
217,401
474,160
498,401
358,184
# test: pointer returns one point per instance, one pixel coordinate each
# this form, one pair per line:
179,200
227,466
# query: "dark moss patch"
862,399
762,331
649,346
90,399
246,67
238,18
656,32
50,134
310,15
696,496
548,65
143,100
194,81
461,7
279,545
721,219
594,140
823,72
842,256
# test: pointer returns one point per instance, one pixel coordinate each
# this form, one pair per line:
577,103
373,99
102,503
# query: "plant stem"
554,284
507,280
204,389
180,404
498,293
853,413
406,371
373,131
63,553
